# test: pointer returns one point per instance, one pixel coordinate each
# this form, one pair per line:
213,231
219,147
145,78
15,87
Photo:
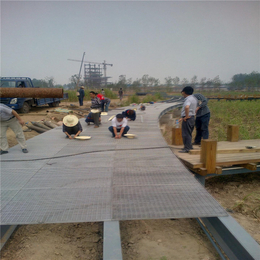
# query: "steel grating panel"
58,206
100,179
163,201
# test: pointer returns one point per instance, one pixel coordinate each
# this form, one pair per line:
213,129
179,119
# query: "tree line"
247,82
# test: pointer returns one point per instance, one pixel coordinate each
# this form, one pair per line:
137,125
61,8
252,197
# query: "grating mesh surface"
62,180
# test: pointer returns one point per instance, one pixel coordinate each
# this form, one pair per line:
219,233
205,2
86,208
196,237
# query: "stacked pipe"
41,127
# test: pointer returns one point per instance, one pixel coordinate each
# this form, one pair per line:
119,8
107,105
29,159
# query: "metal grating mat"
100,179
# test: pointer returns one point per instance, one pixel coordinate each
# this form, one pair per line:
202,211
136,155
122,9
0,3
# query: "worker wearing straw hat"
71,126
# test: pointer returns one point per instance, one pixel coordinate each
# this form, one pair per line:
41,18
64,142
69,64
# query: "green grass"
245,113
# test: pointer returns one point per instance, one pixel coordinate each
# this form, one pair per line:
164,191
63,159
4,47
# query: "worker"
120,94
102,100
71,126
10,118
81,95
129,114
188,118
95,107
106,103
202,119
119,126
90,119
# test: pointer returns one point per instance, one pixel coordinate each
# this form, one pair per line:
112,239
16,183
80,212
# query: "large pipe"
31,92
50,124
36,128
41,125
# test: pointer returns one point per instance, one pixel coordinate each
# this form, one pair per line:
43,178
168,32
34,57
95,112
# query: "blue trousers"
106,106
202,127
80,101
111,129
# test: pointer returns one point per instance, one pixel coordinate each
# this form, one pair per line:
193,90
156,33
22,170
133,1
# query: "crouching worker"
119,126
90,118
129,114
71,126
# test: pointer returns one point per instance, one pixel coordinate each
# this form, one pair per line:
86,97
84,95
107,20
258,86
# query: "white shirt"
5,112
117,124
192,102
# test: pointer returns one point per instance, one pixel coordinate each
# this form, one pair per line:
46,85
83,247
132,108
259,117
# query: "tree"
217,83
184,82
136,85
168,83
50,82
145,81
194,81
203,83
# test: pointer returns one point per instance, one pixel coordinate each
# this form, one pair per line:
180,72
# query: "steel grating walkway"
62,180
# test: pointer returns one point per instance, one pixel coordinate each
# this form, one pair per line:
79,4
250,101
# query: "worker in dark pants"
71,126
81,95
188,118
202,119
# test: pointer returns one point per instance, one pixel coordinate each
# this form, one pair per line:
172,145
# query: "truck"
23,105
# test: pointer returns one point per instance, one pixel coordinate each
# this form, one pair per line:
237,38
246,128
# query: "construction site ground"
168,239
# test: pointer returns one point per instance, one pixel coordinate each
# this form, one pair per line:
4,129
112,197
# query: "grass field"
246,114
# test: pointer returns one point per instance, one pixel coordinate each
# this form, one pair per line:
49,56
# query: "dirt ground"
175,239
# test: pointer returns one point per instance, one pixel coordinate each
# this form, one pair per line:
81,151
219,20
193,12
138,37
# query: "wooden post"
208,155
176,136
232,133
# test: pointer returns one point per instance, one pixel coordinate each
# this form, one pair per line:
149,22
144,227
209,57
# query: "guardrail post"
232,133
208,155
176,136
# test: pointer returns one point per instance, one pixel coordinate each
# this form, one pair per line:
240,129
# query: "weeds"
246,114
240,205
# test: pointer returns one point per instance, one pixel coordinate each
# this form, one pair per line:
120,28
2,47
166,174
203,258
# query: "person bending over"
71,126
119,126
129,114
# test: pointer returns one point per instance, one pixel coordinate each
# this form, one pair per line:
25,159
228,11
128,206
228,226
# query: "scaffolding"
94,77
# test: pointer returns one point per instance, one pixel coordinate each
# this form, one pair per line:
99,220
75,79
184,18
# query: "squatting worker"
188,119
202,119
71,126
129,114
119,126
95,107
10,118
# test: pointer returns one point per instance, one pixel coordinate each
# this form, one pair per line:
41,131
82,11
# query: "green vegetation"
245,113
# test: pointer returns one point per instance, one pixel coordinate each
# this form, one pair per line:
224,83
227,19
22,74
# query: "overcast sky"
158,38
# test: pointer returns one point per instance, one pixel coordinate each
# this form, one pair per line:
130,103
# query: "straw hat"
70,120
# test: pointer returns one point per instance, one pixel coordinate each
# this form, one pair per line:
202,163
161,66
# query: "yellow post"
232,133
208,155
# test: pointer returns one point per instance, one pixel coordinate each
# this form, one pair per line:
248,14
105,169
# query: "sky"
158,38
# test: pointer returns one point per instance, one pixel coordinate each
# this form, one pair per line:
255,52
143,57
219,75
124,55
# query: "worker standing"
120,94
10,118
81,95
188,118
202,119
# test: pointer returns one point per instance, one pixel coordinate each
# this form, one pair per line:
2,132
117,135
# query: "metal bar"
31,92
232,238
210,239
5,232
112,241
